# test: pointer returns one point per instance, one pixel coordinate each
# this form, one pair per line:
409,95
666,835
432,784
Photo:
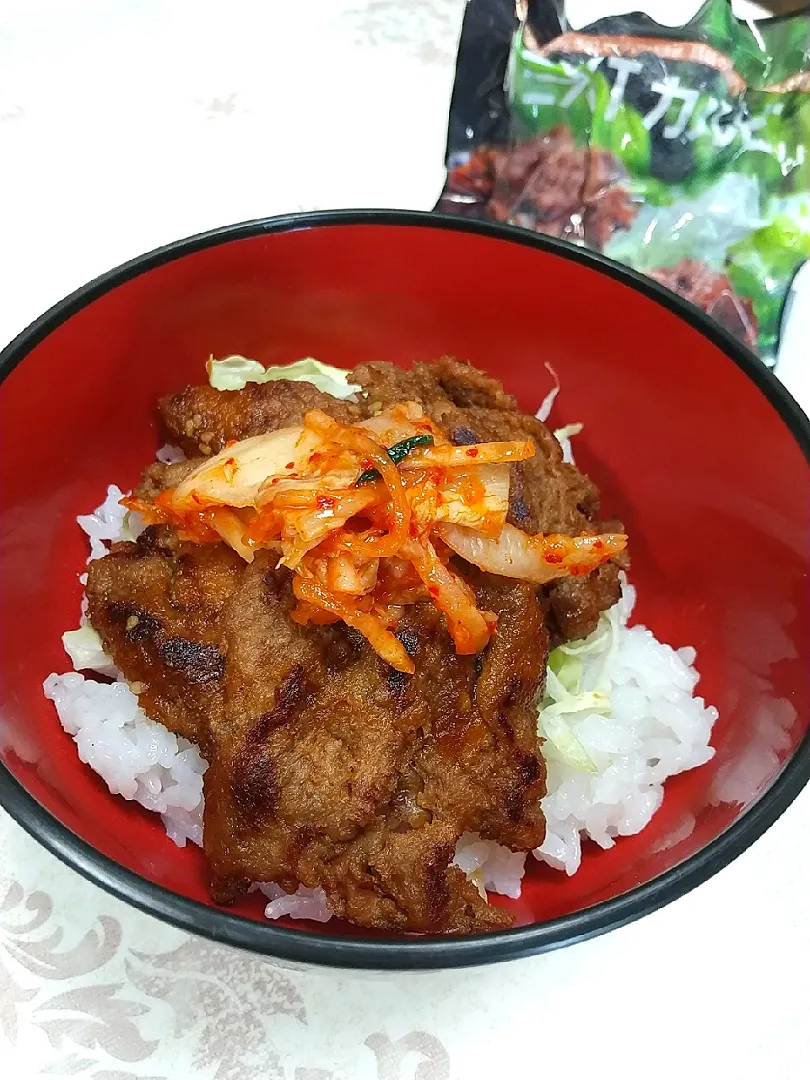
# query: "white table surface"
125,124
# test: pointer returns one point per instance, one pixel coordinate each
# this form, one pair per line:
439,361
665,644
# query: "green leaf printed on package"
709,128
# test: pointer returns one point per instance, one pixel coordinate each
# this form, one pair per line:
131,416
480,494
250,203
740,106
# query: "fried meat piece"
157,605
299,750
362,784
201,420
159,476
328,767
546,494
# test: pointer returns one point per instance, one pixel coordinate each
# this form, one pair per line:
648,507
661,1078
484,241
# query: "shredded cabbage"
563,435
234,372
564,694
567,432
547,404
86,651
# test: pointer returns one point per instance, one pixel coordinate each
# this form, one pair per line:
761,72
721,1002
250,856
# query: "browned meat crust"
363,783
547,495
156,605
327,767
201,420
158,477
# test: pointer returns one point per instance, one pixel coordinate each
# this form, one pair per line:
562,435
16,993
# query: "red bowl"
694,444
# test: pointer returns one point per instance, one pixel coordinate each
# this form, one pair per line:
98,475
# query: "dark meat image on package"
547,184
713,293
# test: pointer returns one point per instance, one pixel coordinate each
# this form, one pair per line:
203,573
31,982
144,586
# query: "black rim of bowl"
411,952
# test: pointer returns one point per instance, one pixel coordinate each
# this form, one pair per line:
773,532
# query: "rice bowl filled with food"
366,637
481,636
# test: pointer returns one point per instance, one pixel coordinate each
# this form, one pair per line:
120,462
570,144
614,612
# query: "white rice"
491,867
643,724
108,523
170,455
304,903
134,756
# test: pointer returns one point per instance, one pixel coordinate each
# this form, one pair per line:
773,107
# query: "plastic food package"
682,152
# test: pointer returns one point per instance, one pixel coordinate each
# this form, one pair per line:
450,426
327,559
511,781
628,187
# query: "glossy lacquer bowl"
693,444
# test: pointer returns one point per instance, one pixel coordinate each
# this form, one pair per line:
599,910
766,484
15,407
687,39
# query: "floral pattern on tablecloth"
93,998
